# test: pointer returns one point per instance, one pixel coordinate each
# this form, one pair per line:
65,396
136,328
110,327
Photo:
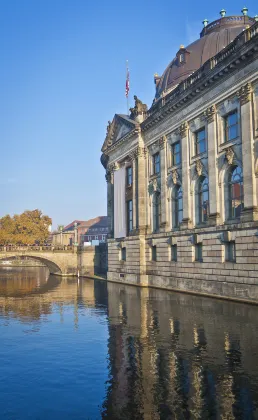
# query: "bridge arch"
53,267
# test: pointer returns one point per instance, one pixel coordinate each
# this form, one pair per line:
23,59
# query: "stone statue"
139,107
108,127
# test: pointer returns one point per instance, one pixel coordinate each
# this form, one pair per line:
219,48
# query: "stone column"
75,234
110,202
133,157
249,181
141,154
142,215
163,177
61,235
214,215
186,182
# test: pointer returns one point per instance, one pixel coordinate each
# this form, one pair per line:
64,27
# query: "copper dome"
213,38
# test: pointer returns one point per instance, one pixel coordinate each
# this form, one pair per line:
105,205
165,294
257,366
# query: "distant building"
87,231
93,230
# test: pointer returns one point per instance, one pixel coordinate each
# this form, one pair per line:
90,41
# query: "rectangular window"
123,254
230,251
129,216
200,142
129,176
154,253
198,252
156,163
176,153
173,252
231,126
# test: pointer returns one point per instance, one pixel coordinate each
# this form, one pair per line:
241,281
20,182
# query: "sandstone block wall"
213,275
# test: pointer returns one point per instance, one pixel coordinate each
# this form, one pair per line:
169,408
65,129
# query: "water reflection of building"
178,356
170,355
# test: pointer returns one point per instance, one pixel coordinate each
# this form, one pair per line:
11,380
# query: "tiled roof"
99,221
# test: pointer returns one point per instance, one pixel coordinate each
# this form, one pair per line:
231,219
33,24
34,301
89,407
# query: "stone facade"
194,160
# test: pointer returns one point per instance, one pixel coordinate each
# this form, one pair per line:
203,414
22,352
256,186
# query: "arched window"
156,211
203,200
177,207
236,192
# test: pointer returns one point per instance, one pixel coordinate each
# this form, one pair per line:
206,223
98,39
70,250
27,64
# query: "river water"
92,350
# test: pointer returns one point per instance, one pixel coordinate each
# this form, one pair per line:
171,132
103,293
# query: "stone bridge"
60,260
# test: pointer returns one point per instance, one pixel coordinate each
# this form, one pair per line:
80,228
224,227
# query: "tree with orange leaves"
27,228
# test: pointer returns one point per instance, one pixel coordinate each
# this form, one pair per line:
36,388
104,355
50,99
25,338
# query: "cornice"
226,62
127,136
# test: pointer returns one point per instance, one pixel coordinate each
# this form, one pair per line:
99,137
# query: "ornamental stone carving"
183,129
154,186
175,176
230,155
245,93
162,142
209,114
113,167
140,152
199,167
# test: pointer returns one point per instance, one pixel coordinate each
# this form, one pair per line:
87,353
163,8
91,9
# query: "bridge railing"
35,248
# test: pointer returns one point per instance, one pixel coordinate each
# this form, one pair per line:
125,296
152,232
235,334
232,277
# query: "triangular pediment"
117,129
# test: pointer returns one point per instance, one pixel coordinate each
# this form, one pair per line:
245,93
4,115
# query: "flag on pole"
127,83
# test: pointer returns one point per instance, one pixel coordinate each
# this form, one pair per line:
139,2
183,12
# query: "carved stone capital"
183,129
113,167
210,113
230,155
245,93
162,142
199,167
140,152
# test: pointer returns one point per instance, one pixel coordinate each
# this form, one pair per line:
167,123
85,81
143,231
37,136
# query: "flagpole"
127,87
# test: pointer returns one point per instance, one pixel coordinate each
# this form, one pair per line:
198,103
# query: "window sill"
232,221
201,225
154,176
199,156
173,167
229,143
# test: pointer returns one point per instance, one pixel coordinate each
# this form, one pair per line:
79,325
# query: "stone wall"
213,275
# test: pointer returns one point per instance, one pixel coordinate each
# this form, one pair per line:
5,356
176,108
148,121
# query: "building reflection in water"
170,355
176,356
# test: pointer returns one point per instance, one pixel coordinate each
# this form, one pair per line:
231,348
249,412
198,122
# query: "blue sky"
63,77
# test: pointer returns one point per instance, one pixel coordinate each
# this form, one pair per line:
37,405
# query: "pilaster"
163,176
110,202
141,188
187,222
249,181
210,115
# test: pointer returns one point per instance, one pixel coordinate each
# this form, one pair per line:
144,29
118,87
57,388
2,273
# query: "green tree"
26,229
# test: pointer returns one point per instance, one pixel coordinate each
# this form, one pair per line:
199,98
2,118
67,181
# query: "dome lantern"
205,22
222,13
244,11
